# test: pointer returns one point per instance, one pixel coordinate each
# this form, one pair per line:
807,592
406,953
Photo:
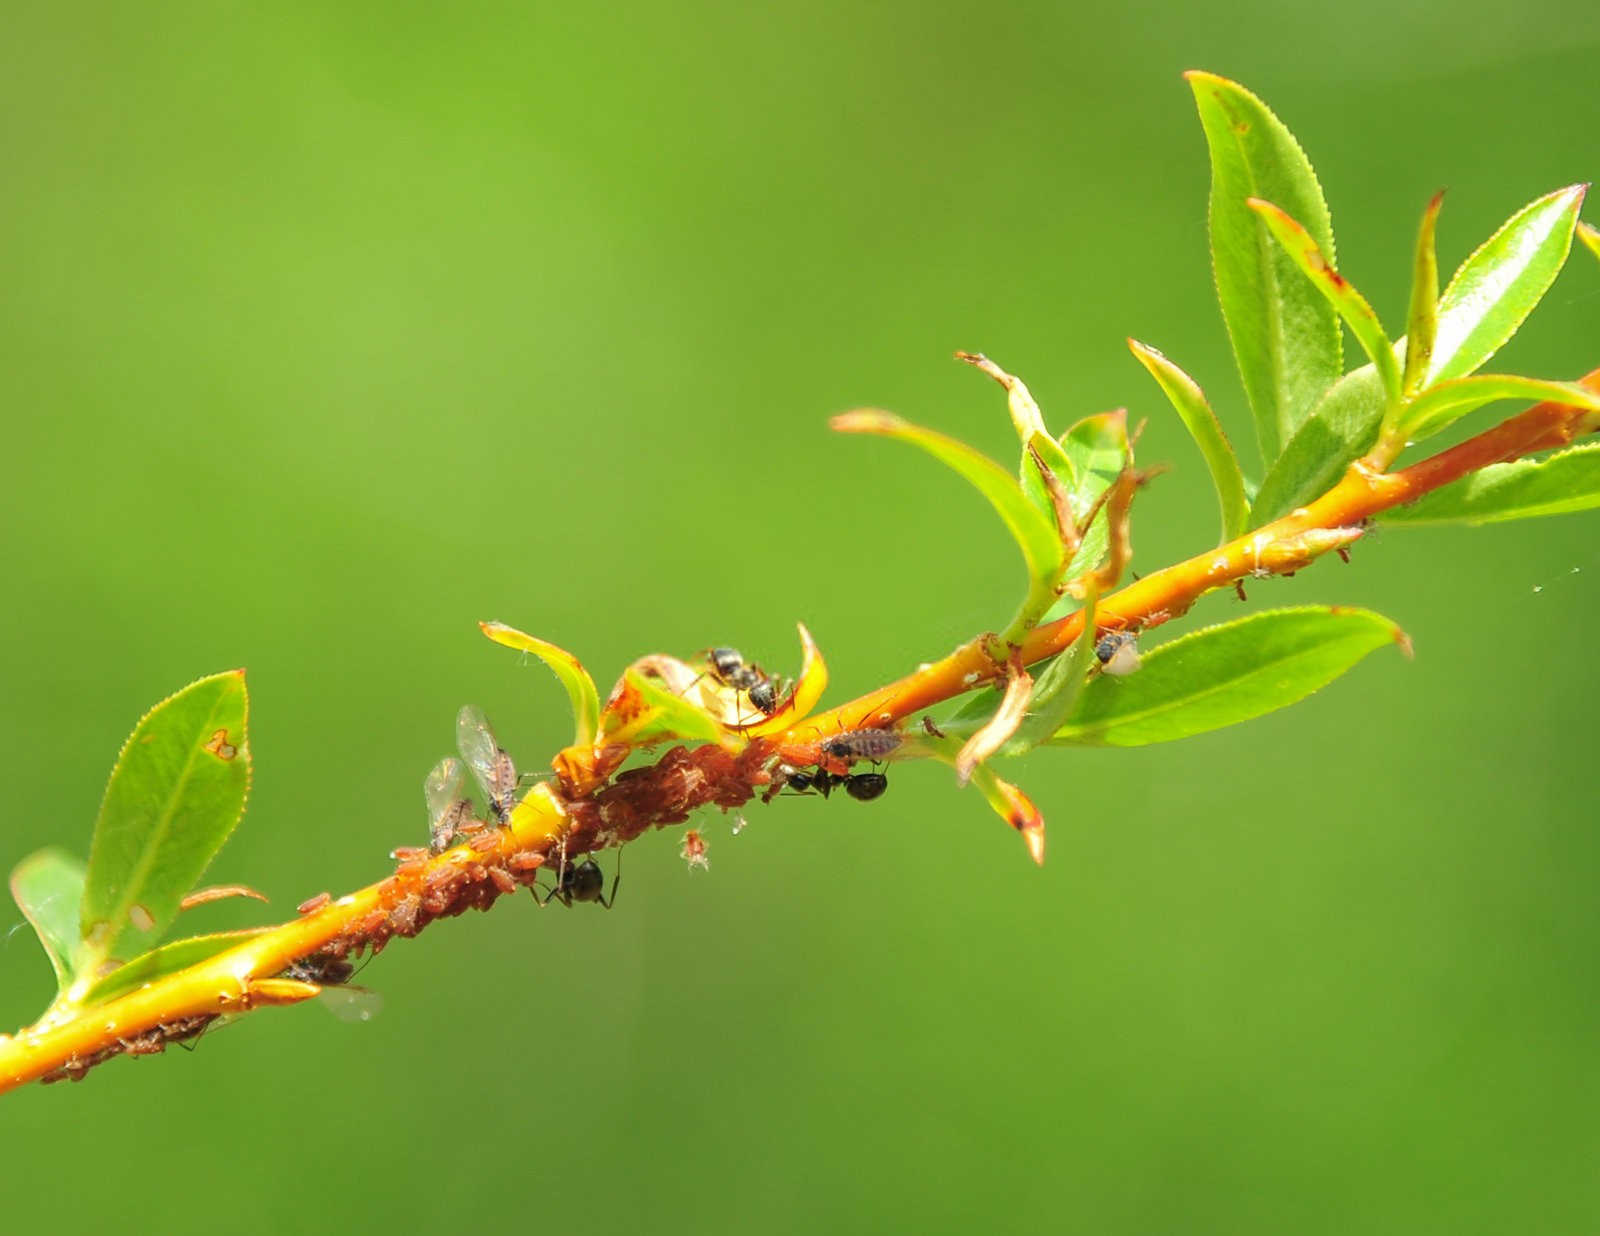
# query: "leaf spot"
141,918
219,746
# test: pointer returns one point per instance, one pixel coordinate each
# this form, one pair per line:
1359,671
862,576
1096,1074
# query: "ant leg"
616,879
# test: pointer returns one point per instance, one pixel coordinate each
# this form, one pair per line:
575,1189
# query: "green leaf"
1590,237
1348,303
1341,429
1034,532
1035,536
1558,485
1226,674
1098,448
1055,692
1422,320
580,687
168,959
1441,405
1190,402
1497,287
648,712
1033,482
1285,334
48,889
176,793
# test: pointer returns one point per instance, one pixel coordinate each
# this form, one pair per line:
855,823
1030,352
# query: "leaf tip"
863,420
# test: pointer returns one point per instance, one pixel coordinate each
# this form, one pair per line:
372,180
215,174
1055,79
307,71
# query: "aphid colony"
812,767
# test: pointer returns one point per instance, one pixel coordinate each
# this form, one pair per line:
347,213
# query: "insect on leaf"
176,793
1285,335
1226,674
48,889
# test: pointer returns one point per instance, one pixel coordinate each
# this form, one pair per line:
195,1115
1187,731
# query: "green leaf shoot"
1190,403
1222,675
1348,303
1341,429
1444,403
48,888
1422,318
1099,449
1560,484
1056,690
168,959
1285,334
1034,532
176,793
1495,289
1590,237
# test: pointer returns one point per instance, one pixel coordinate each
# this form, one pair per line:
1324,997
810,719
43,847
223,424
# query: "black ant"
729,667
863,787
585,881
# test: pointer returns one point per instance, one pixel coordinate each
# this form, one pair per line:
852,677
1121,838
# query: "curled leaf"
219,892
1034,534
808,689
580,687
644,709
48,887
1055,693
1025,414
997,731
1015,808
1190,403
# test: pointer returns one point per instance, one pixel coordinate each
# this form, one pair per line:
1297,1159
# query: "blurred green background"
330,329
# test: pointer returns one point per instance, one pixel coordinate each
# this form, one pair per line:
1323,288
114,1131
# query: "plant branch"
282,964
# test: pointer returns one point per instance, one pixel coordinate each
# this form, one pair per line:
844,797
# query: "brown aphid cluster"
152,1042
667,792
426,887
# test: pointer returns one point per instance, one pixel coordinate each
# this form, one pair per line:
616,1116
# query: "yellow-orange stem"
242,978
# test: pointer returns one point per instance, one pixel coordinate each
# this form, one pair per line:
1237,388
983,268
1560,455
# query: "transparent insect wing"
475,740
442,788
352,1004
